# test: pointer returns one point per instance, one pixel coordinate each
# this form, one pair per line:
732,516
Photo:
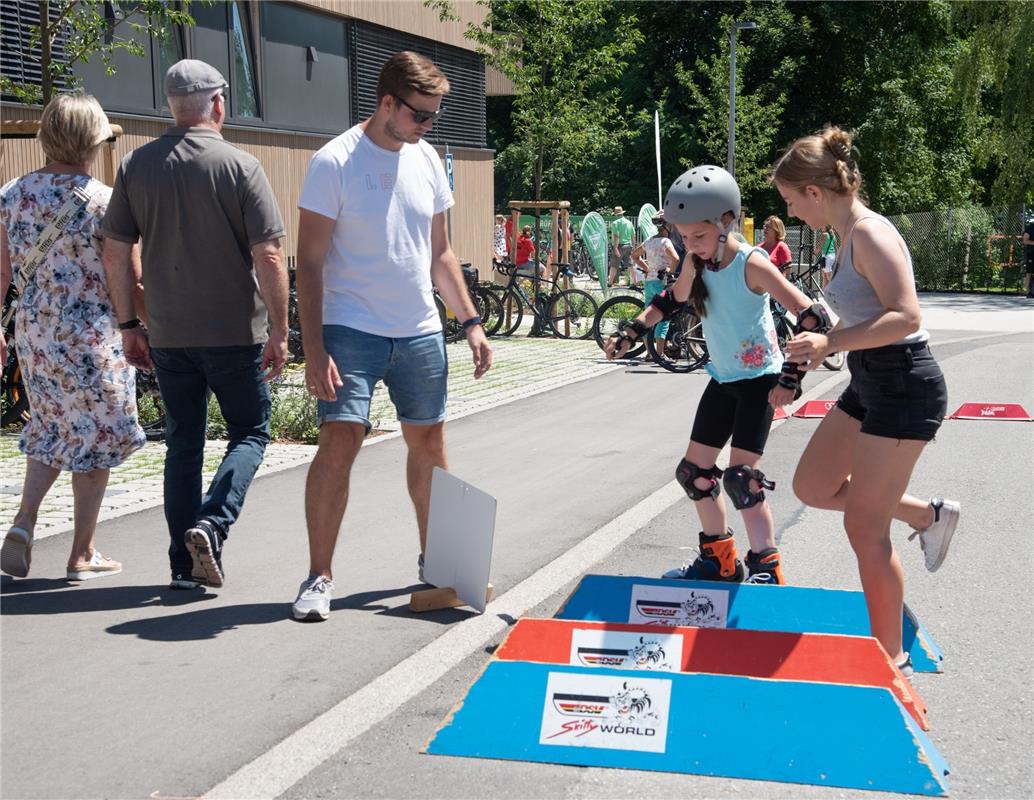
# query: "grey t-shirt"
198,204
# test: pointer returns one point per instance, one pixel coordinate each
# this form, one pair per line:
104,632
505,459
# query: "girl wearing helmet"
729,286
861,456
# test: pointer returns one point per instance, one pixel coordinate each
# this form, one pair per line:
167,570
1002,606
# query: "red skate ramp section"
817,657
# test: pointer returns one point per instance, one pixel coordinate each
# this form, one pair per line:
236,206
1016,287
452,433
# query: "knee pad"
737,485
686,473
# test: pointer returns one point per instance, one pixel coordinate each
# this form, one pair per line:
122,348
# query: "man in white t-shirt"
371,242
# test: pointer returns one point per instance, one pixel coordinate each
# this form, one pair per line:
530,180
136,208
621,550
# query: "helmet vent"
682,205
707,179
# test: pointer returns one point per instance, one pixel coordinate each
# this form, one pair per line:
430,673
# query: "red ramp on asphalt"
1004,411
814,408
828,658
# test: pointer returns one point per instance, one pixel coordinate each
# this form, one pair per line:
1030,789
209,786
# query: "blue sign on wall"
449,172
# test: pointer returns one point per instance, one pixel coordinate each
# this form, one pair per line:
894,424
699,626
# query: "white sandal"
16,552
96,567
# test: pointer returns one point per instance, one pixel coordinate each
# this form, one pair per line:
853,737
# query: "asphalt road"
124,689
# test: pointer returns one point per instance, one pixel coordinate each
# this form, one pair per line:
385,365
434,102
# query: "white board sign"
460,530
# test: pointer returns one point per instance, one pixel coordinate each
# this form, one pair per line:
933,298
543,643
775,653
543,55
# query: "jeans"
185,376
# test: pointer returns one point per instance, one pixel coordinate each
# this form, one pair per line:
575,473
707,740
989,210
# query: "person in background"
731,224
825,248
216,284
657,259
621,233
499,249
773,244
81,389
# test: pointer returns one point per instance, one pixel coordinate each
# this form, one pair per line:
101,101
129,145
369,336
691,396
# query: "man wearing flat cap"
216,297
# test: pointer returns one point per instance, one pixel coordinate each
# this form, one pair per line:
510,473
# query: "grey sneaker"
936,539
16,552
314,596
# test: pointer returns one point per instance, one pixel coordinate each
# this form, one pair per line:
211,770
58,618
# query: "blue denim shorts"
415,370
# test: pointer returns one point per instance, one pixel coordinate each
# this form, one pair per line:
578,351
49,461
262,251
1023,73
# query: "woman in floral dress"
81,390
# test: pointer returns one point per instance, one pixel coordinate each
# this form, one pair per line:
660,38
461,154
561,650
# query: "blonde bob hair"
777,227
824,159
72,127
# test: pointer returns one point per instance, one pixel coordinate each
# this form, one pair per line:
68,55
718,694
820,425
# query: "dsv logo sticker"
626,713
647,654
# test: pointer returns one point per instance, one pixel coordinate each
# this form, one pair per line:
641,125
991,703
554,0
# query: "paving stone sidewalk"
521,367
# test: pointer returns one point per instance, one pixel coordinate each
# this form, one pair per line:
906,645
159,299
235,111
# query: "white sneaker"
936,539
16,552
314,596
97,567
905,666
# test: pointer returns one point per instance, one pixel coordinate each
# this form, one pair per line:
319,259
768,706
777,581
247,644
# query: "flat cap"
190,75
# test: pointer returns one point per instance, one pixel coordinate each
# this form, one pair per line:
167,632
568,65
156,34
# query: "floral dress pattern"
81,389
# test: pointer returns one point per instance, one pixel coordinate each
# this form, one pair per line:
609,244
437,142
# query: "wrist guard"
625,330
791,377
666,303
816,312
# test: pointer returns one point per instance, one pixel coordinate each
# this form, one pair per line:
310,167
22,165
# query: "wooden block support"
435,599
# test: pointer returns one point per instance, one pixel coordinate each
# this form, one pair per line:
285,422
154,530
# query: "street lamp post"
736,26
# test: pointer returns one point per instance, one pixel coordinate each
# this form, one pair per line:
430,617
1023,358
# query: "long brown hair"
698,291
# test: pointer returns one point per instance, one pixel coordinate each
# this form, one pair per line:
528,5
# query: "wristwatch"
128,325
470,323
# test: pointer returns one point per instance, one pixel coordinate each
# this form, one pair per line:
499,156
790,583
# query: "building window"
305,68
242,82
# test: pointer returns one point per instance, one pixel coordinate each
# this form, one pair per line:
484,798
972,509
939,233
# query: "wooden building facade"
300,73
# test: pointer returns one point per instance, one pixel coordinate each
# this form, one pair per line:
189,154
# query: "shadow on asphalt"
205,623
54,596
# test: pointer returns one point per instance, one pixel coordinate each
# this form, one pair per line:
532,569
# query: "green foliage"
937,93
564,60
90,31
994,78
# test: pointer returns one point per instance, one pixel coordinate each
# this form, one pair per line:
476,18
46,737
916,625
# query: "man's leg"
326,490
235,376
426,445
184,396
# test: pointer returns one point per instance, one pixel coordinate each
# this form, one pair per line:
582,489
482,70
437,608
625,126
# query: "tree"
994,76
564,60
86,29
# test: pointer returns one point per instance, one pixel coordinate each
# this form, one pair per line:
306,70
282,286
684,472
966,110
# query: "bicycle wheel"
572,314
835,361
684,347
490,307
451,327
612,313
512,313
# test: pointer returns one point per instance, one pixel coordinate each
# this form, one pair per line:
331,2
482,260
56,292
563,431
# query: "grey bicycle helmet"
702,194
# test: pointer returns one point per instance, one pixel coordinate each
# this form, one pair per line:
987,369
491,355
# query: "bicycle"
611,313
487,305
685,348
565,313
810,282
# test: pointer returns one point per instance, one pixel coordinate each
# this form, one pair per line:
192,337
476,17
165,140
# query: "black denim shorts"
897,391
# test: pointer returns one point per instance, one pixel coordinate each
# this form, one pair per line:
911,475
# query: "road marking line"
286,763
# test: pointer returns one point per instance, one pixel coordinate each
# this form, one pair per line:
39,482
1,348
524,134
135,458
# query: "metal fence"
968,249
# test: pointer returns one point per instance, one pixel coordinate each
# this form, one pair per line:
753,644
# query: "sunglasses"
420,117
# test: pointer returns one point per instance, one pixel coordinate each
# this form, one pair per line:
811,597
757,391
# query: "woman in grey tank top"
861,457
